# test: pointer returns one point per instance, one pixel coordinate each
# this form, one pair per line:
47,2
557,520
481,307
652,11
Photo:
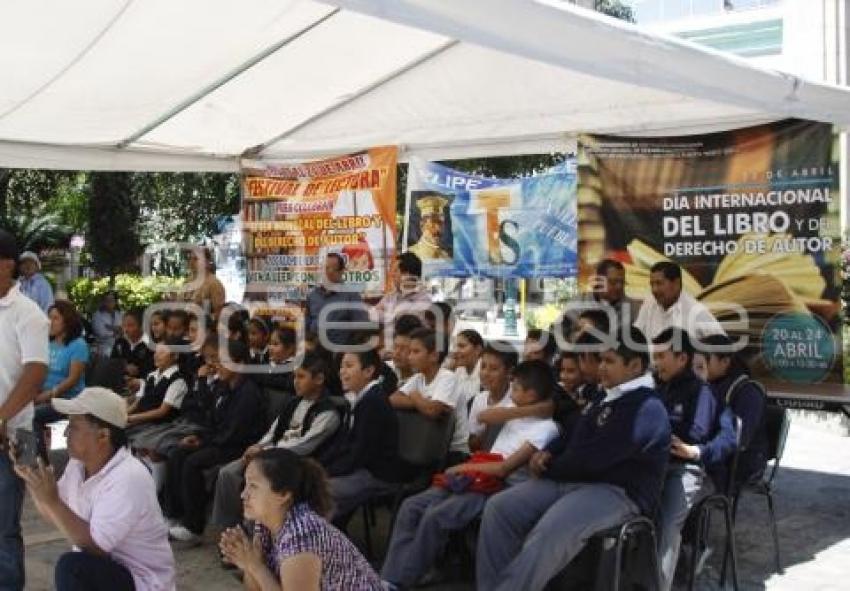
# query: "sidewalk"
813,508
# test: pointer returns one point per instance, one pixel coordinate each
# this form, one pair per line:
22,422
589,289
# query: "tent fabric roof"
200,84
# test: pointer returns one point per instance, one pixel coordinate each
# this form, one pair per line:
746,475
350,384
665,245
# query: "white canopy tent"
201,84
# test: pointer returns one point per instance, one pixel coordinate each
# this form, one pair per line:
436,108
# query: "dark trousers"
81,571
11,542
186,494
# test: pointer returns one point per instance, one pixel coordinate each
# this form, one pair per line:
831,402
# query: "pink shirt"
124,517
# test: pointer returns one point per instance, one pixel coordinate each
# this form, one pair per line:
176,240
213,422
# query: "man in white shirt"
670,307
105,503
23,367
433,391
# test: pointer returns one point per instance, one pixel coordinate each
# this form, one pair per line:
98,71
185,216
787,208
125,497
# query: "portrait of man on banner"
430,225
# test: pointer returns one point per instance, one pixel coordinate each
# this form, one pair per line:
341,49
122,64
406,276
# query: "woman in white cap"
105,503
33,284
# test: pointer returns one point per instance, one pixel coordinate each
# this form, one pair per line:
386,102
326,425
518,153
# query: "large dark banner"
752,215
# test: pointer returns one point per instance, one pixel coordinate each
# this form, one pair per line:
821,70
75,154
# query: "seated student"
157,326
160,396
237,421
439,318
134,346
286,496
569,376
400,364
594,318
465,361
539,344
730,381
156,441
563,408
258,340
609,469
304,426
497,363
362,458
433,390
177,326
192,361
425,520
693,412
312,345
280,360
237,326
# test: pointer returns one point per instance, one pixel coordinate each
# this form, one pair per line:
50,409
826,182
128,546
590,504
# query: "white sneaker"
181,534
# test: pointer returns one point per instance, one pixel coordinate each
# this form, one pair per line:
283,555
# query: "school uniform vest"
155,391
322,404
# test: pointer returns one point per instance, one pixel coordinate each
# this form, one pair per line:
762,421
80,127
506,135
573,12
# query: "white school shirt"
125,520
443,388
23,339
533,430
176,392
480,403
468,383
687,313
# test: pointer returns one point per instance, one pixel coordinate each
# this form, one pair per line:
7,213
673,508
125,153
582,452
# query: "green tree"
183,207
36,229
22,189
616,9
113,236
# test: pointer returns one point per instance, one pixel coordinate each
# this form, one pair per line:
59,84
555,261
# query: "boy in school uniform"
305,425
693,413
280,374
610,468
258,340
433,391
497,362
425,520
399,362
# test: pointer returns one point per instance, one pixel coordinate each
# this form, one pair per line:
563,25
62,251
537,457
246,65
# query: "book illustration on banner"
430,226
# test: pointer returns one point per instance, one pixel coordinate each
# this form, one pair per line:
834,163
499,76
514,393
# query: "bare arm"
151,415
302,571
430,408
75,372
401,401
499,415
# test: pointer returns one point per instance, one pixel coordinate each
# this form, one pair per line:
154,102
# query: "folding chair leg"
775,531
729,550
699,535
368,532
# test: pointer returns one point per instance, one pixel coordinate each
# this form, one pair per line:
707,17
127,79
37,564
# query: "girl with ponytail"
294,546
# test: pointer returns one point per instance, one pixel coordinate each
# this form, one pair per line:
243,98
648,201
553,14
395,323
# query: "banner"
294,215
464,225
751,215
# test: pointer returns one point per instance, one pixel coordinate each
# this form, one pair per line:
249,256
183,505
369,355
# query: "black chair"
777,422
275,401
701,516
423,444
615,559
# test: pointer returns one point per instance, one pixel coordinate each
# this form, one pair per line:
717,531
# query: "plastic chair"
777,422
722,501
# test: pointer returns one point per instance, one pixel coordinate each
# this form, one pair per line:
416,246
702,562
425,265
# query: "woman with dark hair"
294,546
66,368
106,324
202,287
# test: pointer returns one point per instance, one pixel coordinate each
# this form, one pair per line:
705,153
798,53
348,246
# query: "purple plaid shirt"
305,532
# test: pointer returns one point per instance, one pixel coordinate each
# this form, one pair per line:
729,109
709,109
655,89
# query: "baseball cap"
102,403
8,246
29,255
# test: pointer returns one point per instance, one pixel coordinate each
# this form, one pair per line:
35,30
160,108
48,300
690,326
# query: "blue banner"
464,225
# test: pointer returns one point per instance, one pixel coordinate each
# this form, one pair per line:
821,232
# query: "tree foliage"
616,9
113,236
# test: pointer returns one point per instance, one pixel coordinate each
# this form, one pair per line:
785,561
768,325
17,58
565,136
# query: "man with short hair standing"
105,503
33,283
347,306
23,367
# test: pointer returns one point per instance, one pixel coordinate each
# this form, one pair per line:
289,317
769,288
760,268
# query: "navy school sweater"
692,407
625,442
368,438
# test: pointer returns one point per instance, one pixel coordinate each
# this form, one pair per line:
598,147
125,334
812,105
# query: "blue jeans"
81,571
11,542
